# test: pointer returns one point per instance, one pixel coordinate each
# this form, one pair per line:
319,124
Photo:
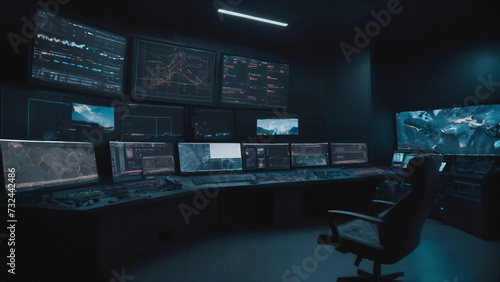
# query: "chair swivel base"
366,276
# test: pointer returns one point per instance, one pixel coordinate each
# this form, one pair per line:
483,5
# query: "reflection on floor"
445,254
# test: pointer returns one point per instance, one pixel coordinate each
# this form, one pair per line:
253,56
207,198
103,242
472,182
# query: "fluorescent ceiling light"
222,11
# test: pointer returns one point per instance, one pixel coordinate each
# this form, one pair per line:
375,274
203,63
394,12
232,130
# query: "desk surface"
93,198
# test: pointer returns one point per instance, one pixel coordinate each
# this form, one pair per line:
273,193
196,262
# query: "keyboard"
212,179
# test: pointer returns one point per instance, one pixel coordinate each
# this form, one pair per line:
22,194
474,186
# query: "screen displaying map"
45,163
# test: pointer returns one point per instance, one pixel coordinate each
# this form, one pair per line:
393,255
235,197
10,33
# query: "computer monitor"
309,154
288,126
88,116
206,157
213,124
132,160
257,156
397,159
408,157
165,72
142,122
39,164
348,153
72,55
254,83
473,130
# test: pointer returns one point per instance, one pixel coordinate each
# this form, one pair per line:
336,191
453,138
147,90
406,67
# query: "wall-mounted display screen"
348,153
40,164
70,54
129,159
141,122
254,83
89,116
266,156
309,154
278,126
212,124
466,130
205,157
165,72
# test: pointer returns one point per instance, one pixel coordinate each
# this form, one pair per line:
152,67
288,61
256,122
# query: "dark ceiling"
320,20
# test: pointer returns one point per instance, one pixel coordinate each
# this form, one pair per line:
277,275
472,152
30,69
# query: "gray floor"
445,254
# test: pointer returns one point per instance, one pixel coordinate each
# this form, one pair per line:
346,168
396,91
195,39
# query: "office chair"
395,232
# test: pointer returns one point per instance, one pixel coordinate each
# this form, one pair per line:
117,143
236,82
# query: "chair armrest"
384,202
356,215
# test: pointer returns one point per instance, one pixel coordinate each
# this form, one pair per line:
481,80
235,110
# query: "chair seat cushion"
360,237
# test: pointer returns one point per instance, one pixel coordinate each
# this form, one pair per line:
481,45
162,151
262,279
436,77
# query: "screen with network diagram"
165,72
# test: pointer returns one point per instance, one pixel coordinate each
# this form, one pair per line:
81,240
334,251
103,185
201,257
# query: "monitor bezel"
134,66
60,186
247,106
50,85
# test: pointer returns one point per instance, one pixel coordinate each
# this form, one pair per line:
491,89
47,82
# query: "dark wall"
434,54
347,98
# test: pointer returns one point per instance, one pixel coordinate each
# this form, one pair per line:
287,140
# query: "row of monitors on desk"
29,165
72,55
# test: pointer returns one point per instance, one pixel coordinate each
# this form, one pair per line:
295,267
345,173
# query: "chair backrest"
401,234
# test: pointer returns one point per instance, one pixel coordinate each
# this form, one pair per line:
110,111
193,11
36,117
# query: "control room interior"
235,140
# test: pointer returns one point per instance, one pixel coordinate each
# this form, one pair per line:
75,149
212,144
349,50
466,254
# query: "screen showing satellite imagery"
309,154
165,72
266,156
48,163
254,83
67,54
204,157
348,153
466,130
211,124
284,126
93,117
130,159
